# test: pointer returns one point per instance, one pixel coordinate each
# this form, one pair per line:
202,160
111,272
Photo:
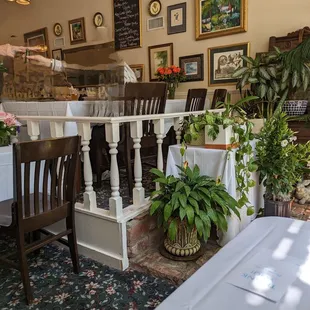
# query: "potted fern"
187,206
281,163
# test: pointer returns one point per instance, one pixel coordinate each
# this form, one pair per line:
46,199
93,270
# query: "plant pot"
185,244
295,107
277,208
258,124
222,141
200,141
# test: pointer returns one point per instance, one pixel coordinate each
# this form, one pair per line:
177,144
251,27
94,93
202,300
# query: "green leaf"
199,225
161,181
180,184
222,222
182,213
263,73
194,203
270,94
285,74
262,90
196,171
190,214
157,172
194,195
272,71
253,80
173,229
183,200
155,205
250,211
275,85
305,82
239,72
212,215
157,193
251,183
187,190
295,78
249,60
167,211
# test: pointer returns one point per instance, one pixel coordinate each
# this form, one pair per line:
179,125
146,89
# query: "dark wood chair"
144,98
52,165
196,99
218,96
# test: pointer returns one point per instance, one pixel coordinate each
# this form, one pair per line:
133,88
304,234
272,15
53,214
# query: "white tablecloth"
208,289
217,163
6,173
78,108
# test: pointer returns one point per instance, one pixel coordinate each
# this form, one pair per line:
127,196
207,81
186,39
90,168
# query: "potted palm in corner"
187,206
281,163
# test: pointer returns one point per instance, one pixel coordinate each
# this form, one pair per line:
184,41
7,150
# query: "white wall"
265,18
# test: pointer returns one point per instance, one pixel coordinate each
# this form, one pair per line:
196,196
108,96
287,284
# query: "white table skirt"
216,163
208,289
6,173
78,108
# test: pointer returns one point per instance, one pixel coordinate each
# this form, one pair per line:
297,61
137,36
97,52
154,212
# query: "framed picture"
219,18
98,20
59,42
154,7
193,67
38,38
57,54
139,72
77,31
57,30
224,60
177,18
159,56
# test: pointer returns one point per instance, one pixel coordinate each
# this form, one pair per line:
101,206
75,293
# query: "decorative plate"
98,19
154,7
57,30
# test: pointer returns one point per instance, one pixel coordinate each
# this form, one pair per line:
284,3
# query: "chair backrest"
45,175
218,96
196,99
145,98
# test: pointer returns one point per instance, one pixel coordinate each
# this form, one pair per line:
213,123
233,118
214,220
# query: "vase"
186,242
200,140
277,208
5,141
223,139
171,91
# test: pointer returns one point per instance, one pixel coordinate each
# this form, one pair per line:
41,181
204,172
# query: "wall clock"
98,19
154,7
57,30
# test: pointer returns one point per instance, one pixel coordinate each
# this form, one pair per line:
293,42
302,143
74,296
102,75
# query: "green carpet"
55,286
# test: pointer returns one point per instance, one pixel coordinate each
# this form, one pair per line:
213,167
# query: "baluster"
33,129
159,128
115,201
89,194
57,129
177,128
136,134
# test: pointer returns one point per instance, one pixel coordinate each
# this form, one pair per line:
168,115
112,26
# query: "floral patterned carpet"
97,287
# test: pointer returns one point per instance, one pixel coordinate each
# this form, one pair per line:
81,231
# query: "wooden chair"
144,98
196,99
218,96
53,166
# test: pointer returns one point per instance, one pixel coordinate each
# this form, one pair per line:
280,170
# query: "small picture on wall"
77,31
224,60
57,54
139,72
177,18
159,56
193,67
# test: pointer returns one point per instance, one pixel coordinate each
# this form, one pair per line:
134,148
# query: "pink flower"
137,284
90,273
110,290
92,292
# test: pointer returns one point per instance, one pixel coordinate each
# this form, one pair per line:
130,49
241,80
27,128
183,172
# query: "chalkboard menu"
127,24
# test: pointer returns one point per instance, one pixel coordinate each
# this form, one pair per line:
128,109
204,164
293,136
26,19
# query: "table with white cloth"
100,108
209,288
218,163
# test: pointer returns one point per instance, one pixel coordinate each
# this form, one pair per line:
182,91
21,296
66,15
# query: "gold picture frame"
77,31
206,23
38,38
138,71
223,61
159,56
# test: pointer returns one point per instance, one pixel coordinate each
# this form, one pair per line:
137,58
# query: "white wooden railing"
112,128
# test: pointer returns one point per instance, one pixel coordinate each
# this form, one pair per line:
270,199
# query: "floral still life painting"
216,18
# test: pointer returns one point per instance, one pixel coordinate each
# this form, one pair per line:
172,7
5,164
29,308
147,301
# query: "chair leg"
73,245
24,266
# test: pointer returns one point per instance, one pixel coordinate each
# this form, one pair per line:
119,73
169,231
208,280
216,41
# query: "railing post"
33,129
136,134
89,194
57,129
159,128
115,201
177,128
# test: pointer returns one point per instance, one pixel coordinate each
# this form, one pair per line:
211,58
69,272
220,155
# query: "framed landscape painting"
224,60
193,67
216,18
159,56
77,31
